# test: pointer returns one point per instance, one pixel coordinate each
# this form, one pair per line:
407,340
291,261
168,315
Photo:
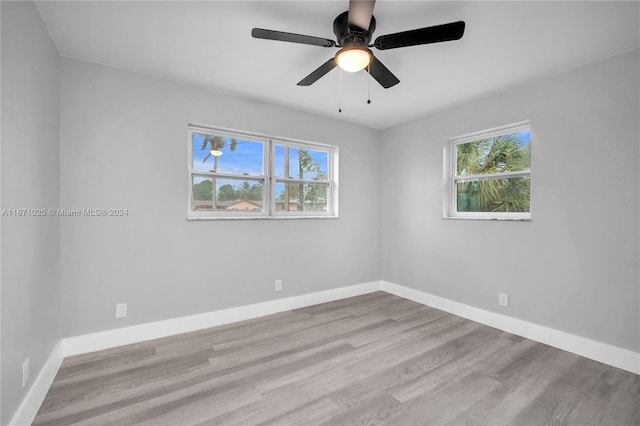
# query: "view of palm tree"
229,175
483,161
302,196
215,144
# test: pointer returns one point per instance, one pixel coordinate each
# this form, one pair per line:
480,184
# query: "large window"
489,174
239,175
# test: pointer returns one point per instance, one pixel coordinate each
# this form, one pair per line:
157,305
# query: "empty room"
320,213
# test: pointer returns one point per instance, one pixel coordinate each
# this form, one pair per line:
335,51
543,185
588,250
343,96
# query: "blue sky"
523,137
247,159
319,157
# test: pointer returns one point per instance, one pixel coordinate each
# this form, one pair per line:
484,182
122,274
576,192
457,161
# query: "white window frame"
331,158
269,179
450,179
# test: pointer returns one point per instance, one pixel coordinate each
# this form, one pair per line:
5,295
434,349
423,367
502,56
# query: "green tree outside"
203,191
246,191
494,155
312,196
227,193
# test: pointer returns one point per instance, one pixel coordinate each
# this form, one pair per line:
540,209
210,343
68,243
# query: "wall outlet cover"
121,310
503,299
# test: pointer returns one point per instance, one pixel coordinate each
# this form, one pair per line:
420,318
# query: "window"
301,178
239,175
489,174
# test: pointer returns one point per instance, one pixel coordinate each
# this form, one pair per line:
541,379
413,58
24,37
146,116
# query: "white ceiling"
209,44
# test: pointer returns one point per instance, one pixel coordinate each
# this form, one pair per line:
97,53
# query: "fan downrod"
348,36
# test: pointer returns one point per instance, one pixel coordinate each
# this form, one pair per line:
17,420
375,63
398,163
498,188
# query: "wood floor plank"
609,405
276,403
92,389
396,348
407,371
505,403
435,336
375,411
311,413
365,301
441,406
193,407
70,370
561,397
318,335
375,359
432,380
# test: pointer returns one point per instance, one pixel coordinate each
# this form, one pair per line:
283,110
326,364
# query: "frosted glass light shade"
353,59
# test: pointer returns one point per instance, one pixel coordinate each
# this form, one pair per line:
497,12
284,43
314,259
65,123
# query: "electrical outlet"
503,299
25,372
278,285
121,310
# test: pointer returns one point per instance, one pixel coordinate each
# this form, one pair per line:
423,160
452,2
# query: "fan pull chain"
340,91
369,83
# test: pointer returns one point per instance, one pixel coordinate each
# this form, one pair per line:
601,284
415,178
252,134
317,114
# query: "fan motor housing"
348,36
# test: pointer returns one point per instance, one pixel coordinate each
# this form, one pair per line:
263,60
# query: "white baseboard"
35,396
153,330
602,352
608,354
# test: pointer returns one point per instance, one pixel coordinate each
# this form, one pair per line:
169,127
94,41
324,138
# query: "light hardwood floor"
375,359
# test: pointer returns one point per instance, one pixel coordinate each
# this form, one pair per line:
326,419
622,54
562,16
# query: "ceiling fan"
354,29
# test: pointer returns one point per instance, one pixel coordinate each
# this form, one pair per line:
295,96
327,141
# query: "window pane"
511,152
493,195
231,194
202,196
227,155
299,163
314,197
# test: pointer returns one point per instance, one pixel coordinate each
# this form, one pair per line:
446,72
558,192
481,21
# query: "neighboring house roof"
230,203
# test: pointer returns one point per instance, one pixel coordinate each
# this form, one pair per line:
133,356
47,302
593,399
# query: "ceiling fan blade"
382,74
291,37
436,34
360,12
319,72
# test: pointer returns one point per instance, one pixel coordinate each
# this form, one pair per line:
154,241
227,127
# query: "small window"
489,174
236,175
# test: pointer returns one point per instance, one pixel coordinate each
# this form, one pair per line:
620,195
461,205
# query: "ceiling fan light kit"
353,59
354,30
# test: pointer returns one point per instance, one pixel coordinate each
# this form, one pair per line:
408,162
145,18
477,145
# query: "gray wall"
124,145
575,266
30,176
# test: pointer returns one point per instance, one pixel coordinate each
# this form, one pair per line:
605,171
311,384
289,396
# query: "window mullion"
270,184
501,175
305,181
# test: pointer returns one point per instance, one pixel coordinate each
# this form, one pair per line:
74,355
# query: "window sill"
196,219
500,219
